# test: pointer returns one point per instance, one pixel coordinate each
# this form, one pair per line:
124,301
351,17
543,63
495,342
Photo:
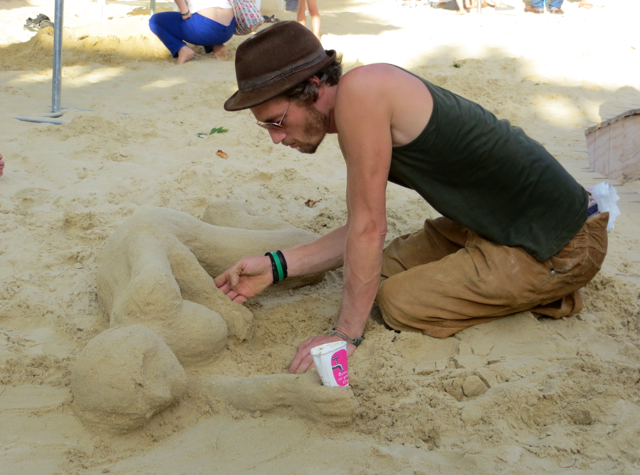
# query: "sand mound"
82,46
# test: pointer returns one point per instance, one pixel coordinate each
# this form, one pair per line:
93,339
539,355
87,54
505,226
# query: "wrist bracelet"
354,341
278,266
186,13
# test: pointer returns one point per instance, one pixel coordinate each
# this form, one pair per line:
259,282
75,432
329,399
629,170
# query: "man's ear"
315,80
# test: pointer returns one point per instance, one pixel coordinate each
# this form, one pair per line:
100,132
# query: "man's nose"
277,135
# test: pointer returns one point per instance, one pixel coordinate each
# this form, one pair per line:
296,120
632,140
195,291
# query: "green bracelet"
278,266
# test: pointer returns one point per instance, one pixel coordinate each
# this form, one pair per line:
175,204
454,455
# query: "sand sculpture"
156,270
124,376
155,283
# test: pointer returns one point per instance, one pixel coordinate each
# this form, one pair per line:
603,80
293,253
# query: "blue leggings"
173,31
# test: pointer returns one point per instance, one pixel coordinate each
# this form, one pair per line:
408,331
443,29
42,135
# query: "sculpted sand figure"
154,281
156,268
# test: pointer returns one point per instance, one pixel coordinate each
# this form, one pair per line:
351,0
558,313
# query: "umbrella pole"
57,72
57,57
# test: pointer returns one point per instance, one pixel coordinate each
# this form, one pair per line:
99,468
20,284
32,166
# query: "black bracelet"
284,264
278,266
185,14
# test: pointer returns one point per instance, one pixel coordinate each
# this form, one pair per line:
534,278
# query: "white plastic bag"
606,197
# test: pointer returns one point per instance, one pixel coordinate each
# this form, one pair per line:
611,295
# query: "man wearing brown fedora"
514,233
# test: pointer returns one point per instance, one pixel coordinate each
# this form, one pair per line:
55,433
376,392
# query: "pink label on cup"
340,367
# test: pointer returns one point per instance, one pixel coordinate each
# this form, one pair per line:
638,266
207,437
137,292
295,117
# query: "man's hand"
303,359
246,278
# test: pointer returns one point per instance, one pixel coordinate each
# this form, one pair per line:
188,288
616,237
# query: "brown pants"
446,277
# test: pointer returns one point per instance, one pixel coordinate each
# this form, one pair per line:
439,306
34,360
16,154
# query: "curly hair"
305,91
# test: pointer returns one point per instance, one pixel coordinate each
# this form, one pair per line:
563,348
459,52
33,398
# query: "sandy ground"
519,395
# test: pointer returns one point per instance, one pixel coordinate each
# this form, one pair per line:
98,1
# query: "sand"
518,395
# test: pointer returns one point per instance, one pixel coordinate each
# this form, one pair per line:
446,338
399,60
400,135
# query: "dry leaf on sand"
311,203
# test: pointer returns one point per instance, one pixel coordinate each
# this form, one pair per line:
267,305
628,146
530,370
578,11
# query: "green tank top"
491,177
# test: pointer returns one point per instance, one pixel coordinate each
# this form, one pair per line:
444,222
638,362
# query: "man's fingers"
230,277
305,364
304,344
221,280
293,368
239,299
234,278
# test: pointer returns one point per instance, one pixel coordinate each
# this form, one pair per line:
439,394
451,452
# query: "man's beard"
316,125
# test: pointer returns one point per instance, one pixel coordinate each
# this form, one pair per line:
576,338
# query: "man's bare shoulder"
364,91
374,75
386,92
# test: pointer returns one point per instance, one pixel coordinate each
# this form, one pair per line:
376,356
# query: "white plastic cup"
331,361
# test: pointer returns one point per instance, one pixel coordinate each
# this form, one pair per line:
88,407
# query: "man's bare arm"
364,133
323,254
365,138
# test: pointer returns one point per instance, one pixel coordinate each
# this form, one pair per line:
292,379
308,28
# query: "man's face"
297,125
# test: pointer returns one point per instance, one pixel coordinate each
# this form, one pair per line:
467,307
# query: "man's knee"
386,302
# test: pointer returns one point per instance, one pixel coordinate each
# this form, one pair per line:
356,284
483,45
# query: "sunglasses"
274,125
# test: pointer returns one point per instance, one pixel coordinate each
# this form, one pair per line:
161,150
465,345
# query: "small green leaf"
457,65
215,130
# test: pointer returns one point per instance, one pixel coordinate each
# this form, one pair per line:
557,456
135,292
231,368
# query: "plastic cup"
331,362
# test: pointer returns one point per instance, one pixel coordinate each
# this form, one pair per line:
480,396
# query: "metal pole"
57,56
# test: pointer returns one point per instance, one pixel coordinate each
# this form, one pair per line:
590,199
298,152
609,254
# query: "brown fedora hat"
273,60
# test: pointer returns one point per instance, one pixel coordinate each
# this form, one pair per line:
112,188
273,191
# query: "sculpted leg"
303,394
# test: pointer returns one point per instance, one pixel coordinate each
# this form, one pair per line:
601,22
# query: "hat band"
269,78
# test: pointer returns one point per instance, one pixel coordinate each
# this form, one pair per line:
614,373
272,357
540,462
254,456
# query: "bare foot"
585,5
304,394
461,12
220,52
1,165
185,54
